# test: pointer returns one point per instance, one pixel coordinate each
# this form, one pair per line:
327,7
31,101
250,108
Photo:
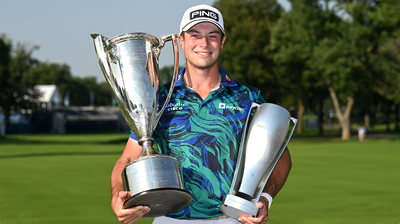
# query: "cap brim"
193,23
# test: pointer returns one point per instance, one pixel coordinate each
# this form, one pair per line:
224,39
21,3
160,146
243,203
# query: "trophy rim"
176,200
135,36
150,157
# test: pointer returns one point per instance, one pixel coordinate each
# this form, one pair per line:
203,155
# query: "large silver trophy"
130,65
262,144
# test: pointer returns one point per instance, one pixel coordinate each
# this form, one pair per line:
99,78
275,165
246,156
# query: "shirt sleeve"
258,97
133,136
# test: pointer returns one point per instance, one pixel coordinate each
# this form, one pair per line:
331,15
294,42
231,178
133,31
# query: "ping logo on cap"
204,13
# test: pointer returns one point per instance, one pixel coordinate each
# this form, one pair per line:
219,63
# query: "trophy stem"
148,148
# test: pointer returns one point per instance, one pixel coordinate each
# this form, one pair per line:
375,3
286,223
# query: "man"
362,132
201,127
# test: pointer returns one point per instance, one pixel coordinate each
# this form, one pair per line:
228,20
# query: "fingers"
262,215
131,215
260,205
123,194
118,203
252,220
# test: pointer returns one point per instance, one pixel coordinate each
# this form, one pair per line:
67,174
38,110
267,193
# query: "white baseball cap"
201,13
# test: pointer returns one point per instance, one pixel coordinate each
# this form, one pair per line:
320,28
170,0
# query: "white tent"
49,98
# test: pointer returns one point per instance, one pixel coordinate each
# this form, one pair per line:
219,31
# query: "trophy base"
235,206
160,201
155,181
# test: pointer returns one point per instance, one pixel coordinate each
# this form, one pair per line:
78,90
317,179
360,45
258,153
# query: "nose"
203,41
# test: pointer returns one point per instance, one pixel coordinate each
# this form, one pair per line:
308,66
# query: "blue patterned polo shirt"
204,135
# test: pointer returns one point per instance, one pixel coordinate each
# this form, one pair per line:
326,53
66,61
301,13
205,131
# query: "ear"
223,42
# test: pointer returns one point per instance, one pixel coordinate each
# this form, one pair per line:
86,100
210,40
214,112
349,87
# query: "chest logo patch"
224,106
174,106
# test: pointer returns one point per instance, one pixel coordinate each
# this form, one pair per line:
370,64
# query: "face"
202,45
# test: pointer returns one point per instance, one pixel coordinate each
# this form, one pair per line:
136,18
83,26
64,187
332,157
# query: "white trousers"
167,220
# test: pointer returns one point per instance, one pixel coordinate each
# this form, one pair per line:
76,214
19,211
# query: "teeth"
204,53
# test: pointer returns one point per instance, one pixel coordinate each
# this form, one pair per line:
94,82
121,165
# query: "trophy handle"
294,121
175,75
100,45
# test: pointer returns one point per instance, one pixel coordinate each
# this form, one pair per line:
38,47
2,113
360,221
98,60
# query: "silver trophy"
262,144
130,65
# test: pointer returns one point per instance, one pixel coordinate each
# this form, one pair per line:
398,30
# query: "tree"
348,63
245,56
166,73
45,73
103,94
336,49
14,93
5,54
295,39
387,59
81,90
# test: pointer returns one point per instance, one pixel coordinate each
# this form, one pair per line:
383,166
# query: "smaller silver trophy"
262,144
130,65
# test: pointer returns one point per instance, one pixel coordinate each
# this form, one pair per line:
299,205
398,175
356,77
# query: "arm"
131,152
279,174
274,185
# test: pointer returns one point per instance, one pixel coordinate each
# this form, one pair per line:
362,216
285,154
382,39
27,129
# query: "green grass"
65,179
58,178
341,182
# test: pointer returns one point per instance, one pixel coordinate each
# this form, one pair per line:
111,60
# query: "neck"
203,81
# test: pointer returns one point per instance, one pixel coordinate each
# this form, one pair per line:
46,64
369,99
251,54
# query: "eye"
213,37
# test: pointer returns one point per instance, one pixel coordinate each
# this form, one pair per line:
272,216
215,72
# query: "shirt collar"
226,80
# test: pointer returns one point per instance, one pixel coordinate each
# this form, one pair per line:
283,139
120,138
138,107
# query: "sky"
62,29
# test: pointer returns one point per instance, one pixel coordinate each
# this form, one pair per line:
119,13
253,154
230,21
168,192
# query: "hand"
262,215
130,215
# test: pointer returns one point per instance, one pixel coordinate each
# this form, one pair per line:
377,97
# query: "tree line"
20,72
321,55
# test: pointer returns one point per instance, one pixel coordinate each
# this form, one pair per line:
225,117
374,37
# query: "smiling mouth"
203,53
